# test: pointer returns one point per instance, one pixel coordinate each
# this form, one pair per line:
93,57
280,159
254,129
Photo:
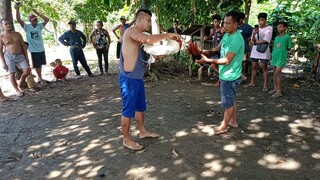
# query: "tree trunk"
193,12
5,11
247,8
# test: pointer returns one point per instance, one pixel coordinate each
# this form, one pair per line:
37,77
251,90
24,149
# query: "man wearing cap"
76,40
121,27
34,38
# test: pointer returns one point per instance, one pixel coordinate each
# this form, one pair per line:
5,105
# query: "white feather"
167,47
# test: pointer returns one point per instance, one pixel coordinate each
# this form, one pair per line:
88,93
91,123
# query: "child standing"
281,46
59,71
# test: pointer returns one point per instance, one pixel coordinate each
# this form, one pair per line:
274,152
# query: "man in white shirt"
261,35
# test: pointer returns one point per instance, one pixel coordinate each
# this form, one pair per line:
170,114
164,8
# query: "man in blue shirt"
34,39
246,31
76,40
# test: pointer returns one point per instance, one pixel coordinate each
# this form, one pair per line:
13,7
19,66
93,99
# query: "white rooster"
167,46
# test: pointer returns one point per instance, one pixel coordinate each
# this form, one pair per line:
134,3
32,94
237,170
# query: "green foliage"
303,18
193,11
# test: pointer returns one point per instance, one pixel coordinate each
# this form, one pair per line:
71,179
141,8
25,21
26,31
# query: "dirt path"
70,130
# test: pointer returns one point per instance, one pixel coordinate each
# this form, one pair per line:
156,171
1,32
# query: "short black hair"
242,15
262,15
235,16
100,22
285,24
176,21
217,17
145,11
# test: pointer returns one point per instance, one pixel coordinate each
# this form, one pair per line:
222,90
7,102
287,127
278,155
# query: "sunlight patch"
260,135
79,116
272,161
230,147
214,165
316,155
141,173
209,156
256,120
210,102
208,173
178,161
54,174
283,118
164,170
181,133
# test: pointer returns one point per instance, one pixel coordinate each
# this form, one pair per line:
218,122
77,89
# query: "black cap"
72,22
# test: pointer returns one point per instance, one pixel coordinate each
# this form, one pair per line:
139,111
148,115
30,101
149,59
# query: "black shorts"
38,59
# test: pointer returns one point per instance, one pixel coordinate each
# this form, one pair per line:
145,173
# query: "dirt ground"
71,130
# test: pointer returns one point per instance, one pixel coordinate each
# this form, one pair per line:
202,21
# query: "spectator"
261,35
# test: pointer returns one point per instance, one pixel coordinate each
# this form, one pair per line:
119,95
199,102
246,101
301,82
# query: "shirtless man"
13,55
132,69
121,27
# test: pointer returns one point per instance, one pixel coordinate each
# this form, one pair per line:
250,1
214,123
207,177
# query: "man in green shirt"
230,67
281,45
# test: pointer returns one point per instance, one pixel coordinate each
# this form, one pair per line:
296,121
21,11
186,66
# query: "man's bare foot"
272,91
277,94
251,85
132,145
19,93
233,125
243,78
4,99
43,83
146,135
219,130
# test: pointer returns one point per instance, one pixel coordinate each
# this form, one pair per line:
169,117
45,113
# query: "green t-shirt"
232,43
280,50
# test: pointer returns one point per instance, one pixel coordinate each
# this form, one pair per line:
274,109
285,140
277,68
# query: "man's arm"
224,61
62,39
108,36
91,37
84,39
3,62
17,6
23,48
149,39
114,31
45,19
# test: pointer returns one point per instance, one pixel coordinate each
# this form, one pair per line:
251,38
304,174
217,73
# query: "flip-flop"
265,89
152,135
216,132
135,147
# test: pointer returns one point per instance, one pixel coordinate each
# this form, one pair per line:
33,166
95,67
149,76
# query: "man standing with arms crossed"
34,38
132,68
230,67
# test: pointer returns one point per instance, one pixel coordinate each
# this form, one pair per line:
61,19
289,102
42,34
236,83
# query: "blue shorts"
228,92
133,95
265,61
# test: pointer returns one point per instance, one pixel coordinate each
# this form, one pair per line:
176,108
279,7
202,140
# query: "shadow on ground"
71,130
